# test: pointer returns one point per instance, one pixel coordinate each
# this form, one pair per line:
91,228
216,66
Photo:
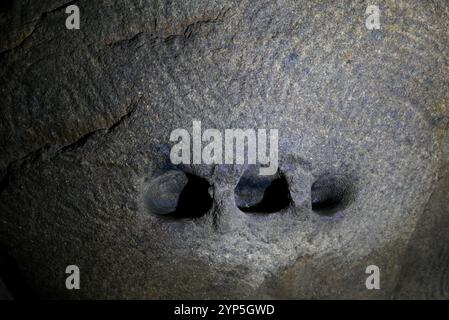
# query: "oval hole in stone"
177,194
330,194
261,194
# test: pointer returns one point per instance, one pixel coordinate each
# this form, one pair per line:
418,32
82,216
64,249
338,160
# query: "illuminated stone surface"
87,115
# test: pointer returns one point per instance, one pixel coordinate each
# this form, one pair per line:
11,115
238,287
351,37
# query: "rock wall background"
86,116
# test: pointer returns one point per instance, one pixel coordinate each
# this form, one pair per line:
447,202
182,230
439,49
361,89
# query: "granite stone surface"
86,117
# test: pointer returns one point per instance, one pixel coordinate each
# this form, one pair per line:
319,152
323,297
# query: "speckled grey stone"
87,116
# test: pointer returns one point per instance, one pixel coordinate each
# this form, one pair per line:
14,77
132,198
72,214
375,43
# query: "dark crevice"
35,154
188,31
131,109
191,27
80,141
125,41
83,139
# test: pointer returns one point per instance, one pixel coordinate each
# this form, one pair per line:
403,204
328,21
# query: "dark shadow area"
194,200
13,280
275,196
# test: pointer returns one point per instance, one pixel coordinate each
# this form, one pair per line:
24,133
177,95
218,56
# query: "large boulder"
86,121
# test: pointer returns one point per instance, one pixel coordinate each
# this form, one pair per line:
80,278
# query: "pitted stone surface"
87,116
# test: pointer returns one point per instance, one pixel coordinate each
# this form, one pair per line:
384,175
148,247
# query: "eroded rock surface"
87,116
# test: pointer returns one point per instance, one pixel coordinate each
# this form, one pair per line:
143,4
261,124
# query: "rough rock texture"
86,120
425,271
